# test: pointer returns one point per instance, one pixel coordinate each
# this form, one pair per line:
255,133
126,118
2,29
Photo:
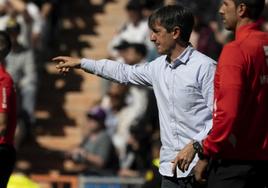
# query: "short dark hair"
254,7
174,15
5,44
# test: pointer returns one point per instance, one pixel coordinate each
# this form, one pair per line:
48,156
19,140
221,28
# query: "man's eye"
154,30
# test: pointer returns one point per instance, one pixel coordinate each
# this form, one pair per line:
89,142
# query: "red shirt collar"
243,31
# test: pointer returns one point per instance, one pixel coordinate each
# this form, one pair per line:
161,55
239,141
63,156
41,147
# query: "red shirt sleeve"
228,91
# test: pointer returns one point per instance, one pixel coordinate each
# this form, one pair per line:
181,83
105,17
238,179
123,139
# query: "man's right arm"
112,70
229,93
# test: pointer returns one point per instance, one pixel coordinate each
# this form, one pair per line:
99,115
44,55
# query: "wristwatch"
199,150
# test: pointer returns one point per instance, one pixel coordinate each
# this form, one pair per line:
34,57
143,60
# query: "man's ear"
242,10
176,32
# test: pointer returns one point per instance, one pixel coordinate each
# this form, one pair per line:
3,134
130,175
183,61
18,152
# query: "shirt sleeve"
126,74
228,86
207,90
5,97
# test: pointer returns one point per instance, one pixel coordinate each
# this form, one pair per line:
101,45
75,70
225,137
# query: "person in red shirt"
7,115
238,142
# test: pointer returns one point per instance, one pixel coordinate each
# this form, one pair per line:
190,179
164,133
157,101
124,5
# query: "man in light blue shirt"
182,80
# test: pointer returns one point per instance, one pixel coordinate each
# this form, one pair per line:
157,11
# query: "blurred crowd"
122,133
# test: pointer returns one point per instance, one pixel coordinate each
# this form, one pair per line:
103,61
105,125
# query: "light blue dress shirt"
184,94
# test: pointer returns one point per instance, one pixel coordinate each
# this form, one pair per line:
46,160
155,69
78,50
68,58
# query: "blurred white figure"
135,30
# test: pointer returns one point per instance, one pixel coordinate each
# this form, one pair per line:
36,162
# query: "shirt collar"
182,58
242,32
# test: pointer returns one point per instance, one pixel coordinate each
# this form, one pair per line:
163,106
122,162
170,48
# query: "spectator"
136,98
21,66
206,10
204,39
135,30
123,110
137,160
114,103
131,52
28,16
3,14
143,98
50,12
96,151
152,176
149,6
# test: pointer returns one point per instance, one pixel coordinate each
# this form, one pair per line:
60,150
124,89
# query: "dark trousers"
7,162
187,182
238,174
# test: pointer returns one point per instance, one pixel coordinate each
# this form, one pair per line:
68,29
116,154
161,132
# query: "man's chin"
160,52
228,27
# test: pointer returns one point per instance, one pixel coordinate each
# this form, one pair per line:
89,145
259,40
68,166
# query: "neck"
243,22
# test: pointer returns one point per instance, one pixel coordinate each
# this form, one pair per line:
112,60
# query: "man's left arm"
186,155
229,87
206,82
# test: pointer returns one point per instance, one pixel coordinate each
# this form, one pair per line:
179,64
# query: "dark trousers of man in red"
7,163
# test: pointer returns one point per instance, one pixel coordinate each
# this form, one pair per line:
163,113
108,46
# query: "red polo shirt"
7,105
240,117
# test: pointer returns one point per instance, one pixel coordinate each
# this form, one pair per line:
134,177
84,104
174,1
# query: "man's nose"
221,10
152,36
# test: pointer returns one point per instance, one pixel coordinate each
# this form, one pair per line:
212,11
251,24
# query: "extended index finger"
60,58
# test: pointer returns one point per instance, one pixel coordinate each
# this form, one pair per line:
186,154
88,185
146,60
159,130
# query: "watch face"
194,145
197,147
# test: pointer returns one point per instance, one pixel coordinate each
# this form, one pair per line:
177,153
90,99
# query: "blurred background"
78,130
